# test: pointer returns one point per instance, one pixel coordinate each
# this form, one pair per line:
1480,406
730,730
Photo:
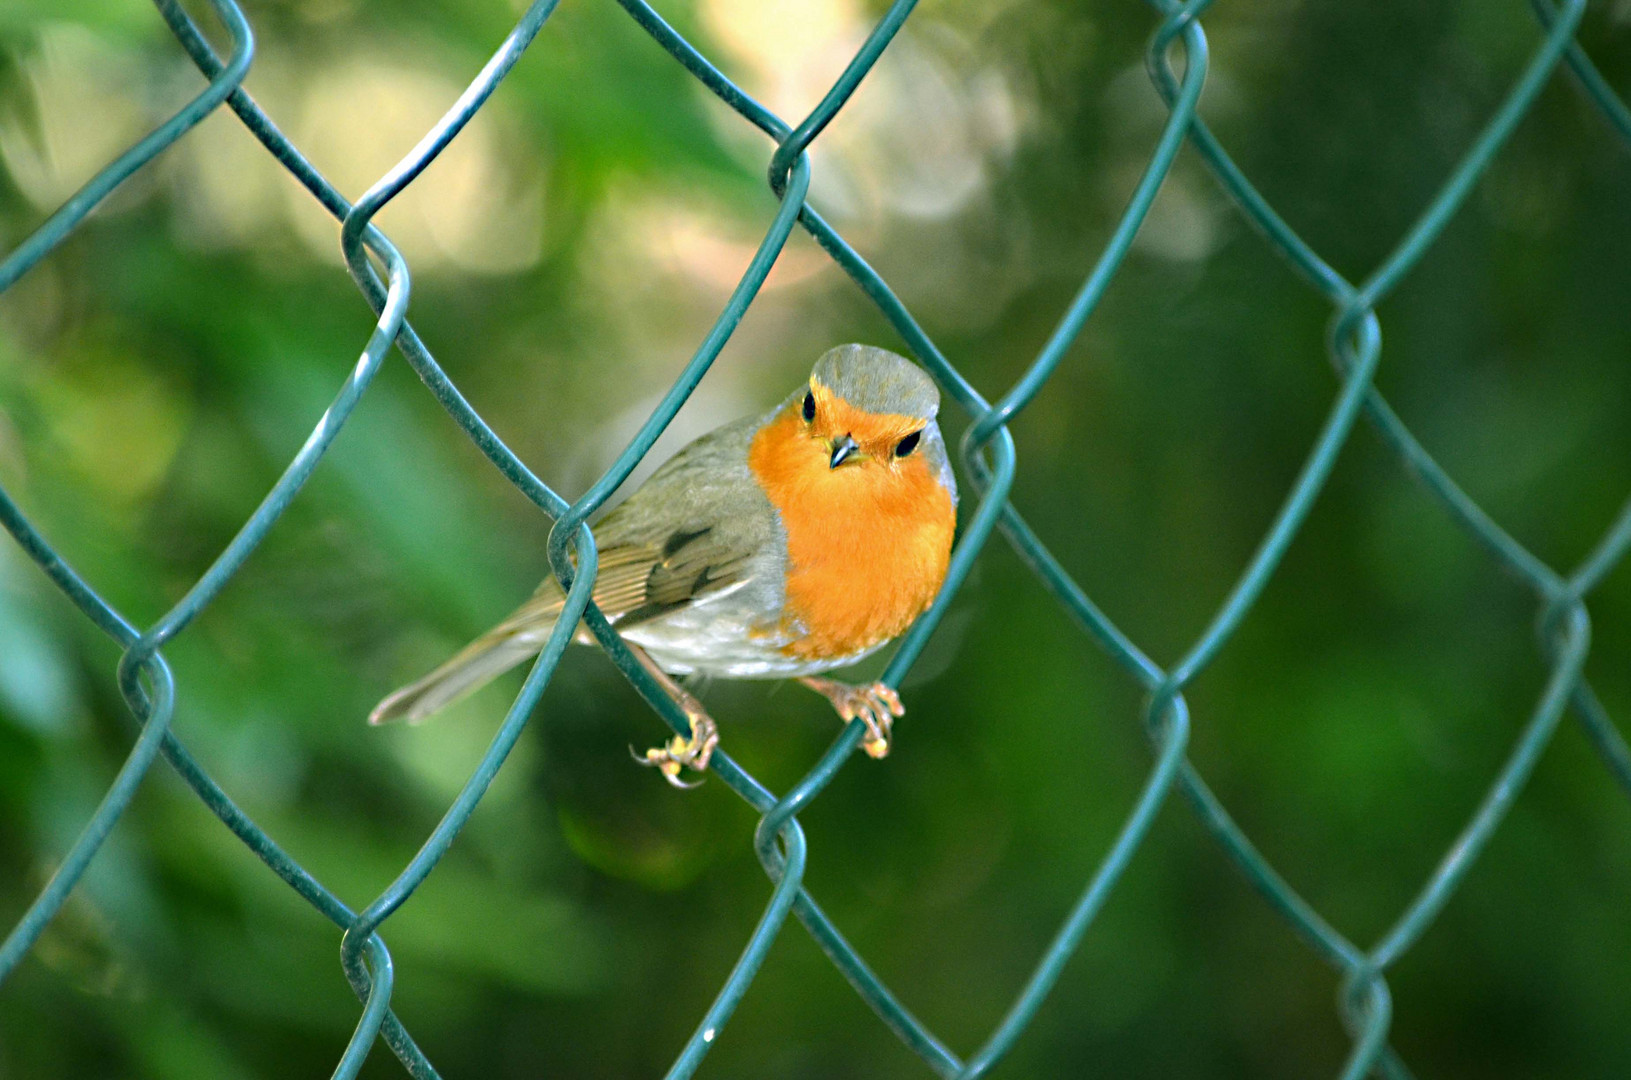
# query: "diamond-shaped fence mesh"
1177,65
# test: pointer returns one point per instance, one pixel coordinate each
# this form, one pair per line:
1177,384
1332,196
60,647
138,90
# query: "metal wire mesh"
987,452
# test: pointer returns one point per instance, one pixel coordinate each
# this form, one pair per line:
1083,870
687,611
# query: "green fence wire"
987,452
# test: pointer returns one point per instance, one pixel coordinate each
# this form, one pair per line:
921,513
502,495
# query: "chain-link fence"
1177,63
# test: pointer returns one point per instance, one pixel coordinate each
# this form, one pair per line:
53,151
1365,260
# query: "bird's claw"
681,752
875,705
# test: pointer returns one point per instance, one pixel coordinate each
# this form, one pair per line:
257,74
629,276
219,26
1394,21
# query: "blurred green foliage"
158,371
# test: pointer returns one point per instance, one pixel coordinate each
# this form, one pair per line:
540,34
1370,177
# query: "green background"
158,371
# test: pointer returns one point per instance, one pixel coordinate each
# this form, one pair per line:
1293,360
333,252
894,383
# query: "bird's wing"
698,526
694,528
642,581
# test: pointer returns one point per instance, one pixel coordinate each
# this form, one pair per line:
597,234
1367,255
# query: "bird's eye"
809,406
908,444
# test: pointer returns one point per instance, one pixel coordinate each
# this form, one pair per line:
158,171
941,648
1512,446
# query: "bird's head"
869,409
860,434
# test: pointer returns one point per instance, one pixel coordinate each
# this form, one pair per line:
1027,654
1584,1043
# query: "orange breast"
867,544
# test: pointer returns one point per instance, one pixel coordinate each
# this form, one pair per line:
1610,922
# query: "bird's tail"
478,663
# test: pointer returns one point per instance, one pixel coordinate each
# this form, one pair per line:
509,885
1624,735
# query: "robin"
775,547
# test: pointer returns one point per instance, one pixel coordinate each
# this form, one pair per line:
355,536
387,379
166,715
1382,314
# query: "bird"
778,546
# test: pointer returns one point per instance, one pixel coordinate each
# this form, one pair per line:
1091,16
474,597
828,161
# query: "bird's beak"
841,450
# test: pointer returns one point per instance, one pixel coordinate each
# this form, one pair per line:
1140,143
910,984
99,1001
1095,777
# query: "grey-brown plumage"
878,381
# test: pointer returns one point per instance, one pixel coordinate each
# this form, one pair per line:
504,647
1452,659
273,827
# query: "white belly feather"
724,634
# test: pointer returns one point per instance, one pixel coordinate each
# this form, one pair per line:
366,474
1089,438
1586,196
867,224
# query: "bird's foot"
681,752
876,705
